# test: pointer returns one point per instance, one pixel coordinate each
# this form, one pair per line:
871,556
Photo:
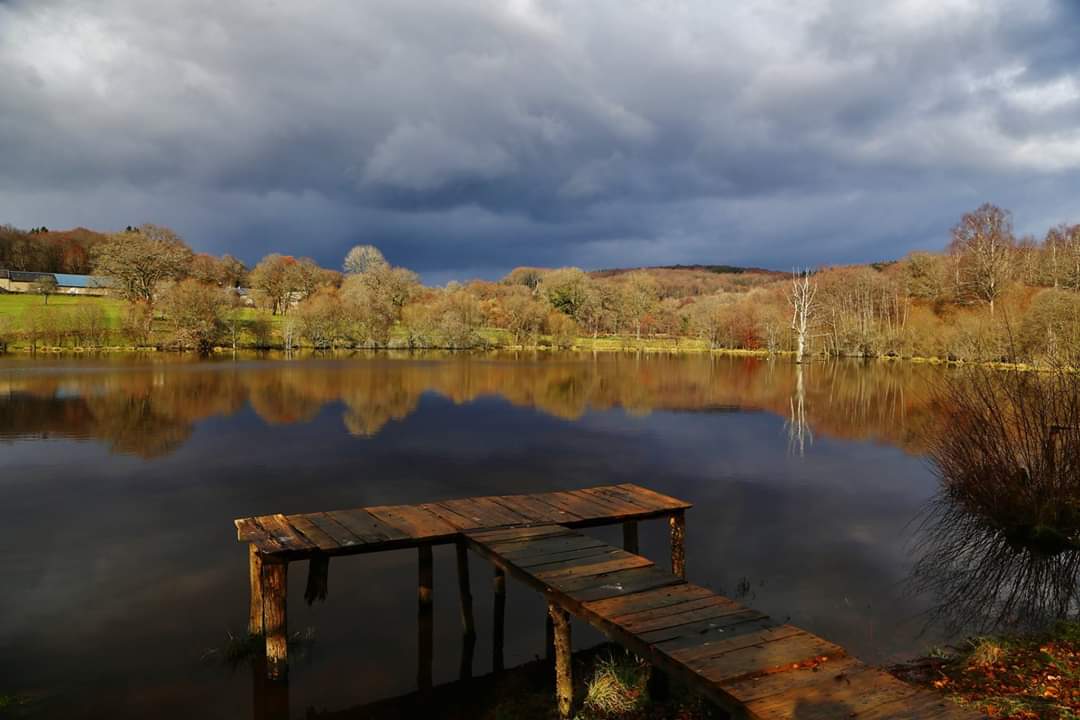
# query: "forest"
988,296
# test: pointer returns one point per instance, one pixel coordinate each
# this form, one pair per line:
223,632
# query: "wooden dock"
745,662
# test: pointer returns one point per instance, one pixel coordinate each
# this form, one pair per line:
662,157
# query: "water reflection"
149,411
122,477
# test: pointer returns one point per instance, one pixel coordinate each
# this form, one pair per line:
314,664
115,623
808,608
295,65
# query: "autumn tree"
194,312
983,246
567,290
233,271
282,280
323,319
525,317
639,296
136,262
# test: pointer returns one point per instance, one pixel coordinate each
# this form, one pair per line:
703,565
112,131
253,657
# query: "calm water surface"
120,479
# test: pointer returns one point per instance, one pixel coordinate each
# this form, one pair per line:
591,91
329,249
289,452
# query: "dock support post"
255,611
274,589
318,578
468,623
549,638
497,632
425,623
678,543
630,536
564,685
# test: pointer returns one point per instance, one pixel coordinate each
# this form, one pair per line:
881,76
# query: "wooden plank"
703,631
313,533
501,536
284,533
635,619
765,657
619,493
367,527
458,520
705,651
853,695
549,546
615,508
618,608
655,499
583,566
538,505
340,533
561,559
749,688
249,530
585,508
485,514
677,615
413,521
626,582
522,505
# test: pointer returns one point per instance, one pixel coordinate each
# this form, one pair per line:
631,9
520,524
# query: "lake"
122,576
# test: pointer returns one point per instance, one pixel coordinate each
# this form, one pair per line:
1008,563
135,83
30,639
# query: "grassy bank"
27,324
1017,677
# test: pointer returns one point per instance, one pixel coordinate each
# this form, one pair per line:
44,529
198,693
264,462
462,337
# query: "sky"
467,137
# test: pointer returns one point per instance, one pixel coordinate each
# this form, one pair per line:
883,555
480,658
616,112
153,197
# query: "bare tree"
44,285
801,296
136,262
985,249
363,258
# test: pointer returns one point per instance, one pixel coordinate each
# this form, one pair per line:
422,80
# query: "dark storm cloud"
466,137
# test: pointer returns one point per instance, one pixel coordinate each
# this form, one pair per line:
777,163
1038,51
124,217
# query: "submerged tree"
1001,543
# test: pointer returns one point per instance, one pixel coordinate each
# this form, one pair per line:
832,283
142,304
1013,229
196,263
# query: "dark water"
120,479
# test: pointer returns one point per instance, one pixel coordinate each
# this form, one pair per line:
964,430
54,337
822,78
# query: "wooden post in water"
630,536
468,624
549,638
255,610
425,623
497,632
275,584
678,543
564,685
318,578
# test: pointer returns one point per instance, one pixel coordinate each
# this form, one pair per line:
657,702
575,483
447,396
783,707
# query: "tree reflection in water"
1000,546
150,410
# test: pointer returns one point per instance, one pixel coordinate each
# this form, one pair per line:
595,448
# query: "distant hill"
689,280
718,269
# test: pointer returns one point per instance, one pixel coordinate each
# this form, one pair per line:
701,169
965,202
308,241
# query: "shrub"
1002,541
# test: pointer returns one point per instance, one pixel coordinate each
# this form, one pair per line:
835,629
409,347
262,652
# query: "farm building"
18,281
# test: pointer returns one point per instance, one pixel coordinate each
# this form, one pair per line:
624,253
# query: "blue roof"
79,281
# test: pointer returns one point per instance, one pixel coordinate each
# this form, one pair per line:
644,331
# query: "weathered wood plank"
458,520
367,527
586,567
618,608
284,533
653,498
341,534
413,521
313,532
539,507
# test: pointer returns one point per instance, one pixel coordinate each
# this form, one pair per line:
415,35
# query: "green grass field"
13,305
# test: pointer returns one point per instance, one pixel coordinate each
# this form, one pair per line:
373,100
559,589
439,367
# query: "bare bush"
1002,541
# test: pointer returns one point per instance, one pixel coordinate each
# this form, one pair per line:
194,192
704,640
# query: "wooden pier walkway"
746,663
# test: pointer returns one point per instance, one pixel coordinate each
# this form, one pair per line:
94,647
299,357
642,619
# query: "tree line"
989,296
